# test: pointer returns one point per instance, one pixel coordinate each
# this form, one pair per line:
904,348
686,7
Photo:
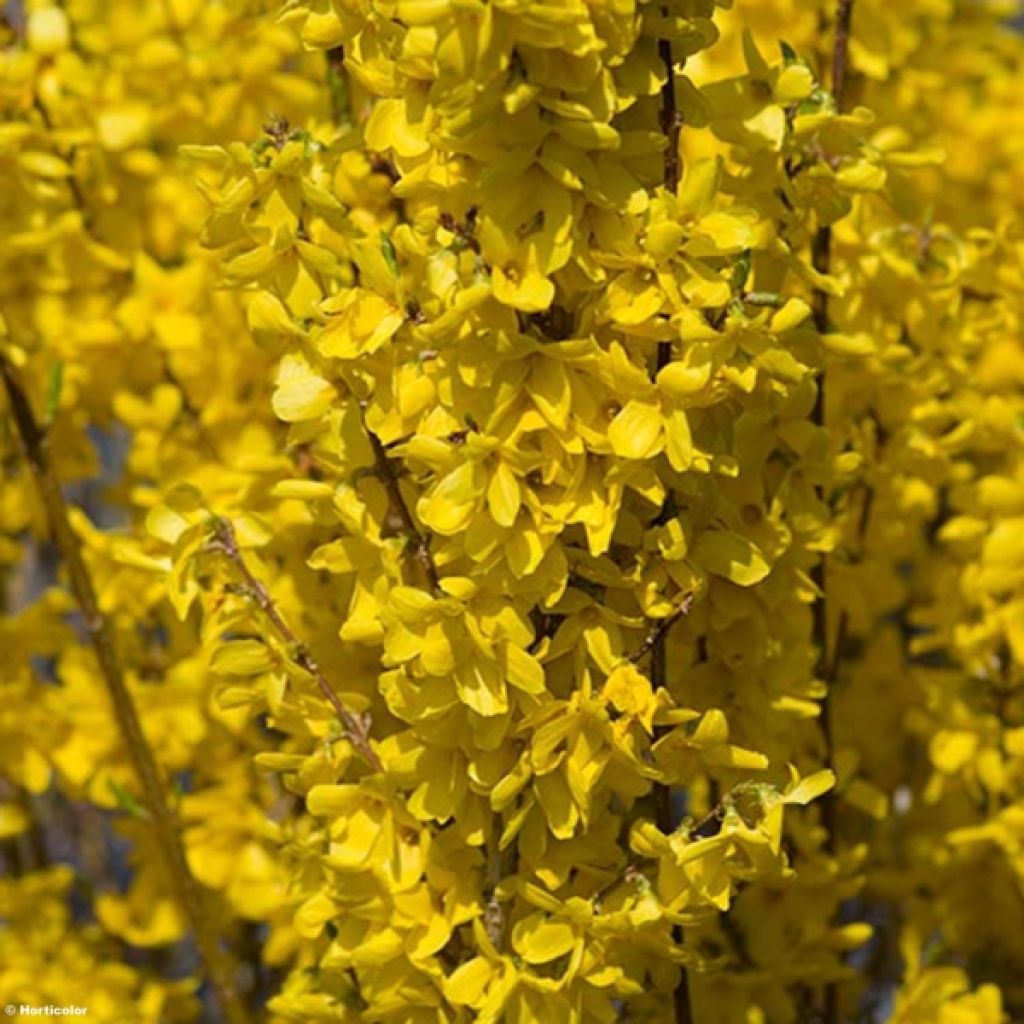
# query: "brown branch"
841,51
821,258
356,727
821,250
670,125
388,476
670,122
77,195
336,81
494,915
101,635
659,631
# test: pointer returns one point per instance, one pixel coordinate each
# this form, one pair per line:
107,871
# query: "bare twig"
356,727
101,635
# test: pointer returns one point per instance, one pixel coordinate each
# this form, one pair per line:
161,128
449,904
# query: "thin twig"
101,635
356,727
494,915
659,631
77,195
388,476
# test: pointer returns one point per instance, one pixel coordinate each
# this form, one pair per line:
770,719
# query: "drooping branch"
356,727
101,635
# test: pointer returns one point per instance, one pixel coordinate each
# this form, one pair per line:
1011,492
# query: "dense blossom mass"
513,511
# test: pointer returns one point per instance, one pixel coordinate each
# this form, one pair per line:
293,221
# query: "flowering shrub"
542,526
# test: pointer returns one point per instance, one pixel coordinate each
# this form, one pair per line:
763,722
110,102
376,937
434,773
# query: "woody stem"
219,968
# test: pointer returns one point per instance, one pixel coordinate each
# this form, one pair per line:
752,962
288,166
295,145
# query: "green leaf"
126,802
54,387
741,270
818,101
788,53
387,249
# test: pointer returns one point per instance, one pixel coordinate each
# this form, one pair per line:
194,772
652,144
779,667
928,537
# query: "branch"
389,478
841,50
77,195
670,125
494,915
670,122
659,632
821,254
821,258
356,727
655,643
336,82
101,636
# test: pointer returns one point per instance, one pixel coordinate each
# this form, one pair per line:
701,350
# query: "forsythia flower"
564,533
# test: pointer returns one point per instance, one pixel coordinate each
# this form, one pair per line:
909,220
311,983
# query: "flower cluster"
563,531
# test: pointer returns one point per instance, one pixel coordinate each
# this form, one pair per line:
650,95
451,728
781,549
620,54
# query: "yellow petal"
731,555
241,658
503,495
539,941
635,433
467,984
302,394
524,671
810,788
48,31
